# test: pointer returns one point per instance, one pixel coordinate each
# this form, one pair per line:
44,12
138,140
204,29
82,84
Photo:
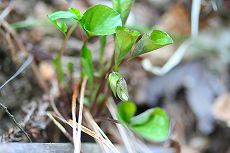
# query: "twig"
195,13
19,71
7,10
84,129
61,50
174,60
78,136
12,49
15,122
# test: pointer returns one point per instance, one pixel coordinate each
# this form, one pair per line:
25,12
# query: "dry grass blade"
129,147
195,13
83,128
7,10
78,136
98,130
63,130
74,98
19,71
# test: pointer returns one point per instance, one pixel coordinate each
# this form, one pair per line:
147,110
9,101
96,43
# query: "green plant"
101,20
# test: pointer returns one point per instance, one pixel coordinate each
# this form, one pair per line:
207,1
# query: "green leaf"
126,110
122,91
100,20
58,68
123,7
153,124
103,41
76,12
70,66
73,13
87,64
148,43
125,39
113,79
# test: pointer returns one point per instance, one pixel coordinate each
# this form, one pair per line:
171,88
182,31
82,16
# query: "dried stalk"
83,128
98,130
124,135
63,130
77,136
15,122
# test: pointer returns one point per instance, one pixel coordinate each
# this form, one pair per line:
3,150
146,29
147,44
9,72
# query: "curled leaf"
73,13
113,79
122,90
148,43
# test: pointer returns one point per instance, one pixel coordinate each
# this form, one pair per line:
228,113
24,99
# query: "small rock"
221,108
46,70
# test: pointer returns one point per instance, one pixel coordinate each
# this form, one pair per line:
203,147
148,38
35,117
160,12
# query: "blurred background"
190,78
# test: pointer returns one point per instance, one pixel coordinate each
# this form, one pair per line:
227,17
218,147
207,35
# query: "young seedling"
101,20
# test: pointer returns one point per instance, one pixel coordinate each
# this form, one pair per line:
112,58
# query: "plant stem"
14,121
78,136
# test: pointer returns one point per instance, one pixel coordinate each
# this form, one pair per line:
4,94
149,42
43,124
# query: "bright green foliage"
153,124
122,90
148,43
73,13
58,68
125,39
113,79
87,64
126,111
100,20
102,49
123,7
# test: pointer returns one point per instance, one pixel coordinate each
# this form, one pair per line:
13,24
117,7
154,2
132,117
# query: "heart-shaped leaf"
123,7
125,39
153,124
87,64
148,43
100,20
